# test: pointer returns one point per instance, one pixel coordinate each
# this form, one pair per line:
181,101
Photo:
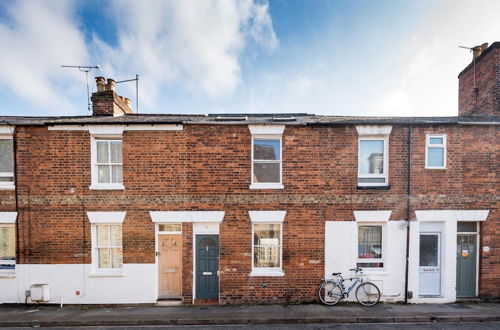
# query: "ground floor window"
267,246
108,248
370,246
7,247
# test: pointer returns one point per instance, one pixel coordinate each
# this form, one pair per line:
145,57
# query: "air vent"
231,118
284,118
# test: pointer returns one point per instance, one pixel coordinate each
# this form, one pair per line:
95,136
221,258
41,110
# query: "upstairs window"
435,154
6,162
373,161
266,152
107,163
267,161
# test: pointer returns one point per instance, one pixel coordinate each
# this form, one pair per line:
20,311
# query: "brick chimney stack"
105,101
479,83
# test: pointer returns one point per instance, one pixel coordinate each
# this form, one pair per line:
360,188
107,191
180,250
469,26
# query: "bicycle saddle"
334,274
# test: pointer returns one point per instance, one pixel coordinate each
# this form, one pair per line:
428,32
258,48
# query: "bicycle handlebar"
356,269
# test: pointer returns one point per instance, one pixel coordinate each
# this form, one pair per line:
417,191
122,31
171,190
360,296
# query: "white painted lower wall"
137,285
341,251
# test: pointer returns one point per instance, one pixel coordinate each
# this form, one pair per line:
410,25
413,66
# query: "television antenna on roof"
86,69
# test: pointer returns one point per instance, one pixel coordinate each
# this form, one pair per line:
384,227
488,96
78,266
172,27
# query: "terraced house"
120,207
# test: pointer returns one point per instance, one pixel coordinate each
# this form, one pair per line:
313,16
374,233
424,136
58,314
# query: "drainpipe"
408,213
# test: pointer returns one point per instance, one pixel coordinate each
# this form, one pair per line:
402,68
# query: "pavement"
86,316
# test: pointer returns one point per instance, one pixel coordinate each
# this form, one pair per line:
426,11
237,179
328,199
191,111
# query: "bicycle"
331,291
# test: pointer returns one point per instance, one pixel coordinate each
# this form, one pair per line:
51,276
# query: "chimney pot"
128,102
111,85
101,86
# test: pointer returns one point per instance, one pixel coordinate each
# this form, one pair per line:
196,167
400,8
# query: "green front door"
207,266
466,265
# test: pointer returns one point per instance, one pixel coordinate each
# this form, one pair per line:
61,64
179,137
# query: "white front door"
430,264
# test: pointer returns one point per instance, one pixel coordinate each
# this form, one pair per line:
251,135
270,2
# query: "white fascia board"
372,216
6,130
435,215
374,129
266,129
472,215
8,217
187,216
106,217
116,129
267,216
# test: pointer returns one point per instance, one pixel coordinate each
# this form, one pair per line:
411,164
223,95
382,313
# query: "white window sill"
105,186
267,186
112,273
275,273
7,274
381,272
7,187
435,168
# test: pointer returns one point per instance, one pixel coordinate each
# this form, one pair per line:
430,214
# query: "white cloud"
429,85
37,39
195,44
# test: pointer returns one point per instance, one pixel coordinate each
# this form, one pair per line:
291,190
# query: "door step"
206,301
169,302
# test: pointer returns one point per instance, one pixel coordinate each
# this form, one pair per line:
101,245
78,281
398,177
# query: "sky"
352,57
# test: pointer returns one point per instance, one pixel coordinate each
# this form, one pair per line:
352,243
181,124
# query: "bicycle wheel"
368,294
330,293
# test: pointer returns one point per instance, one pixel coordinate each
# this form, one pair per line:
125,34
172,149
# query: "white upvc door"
430,264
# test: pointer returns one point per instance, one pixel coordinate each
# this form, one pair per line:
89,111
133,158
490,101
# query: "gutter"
408,214
489,123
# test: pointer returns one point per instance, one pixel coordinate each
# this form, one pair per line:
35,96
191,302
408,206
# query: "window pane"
436,140
116,235
435,157
371,156
102,235
116,151
103,174
429,250
466,227
104,258
102,152
6,155
170,227
266,172
370,242
370,264
266,256
266,234
266,149
116,172
116,258
7,242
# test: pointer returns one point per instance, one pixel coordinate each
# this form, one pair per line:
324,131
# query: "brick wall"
485,99
207,167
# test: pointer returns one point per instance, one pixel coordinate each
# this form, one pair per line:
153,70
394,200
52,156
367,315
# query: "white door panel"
430,264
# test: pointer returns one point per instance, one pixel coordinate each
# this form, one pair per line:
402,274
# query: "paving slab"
47,315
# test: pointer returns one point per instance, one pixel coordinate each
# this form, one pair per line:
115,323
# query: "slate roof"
232,119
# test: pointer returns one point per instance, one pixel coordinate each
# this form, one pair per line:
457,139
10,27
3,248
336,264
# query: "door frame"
157,259
204,228
478,256
195,250
440,248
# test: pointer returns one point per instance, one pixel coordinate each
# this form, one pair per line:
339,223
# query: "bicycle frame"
354,281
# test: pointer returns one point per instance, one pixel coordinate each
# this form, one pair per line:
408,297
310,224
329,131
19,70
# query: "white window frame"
7,185
428,145
104,218
267,185
96,185
267,218
384,175
9,219
383,247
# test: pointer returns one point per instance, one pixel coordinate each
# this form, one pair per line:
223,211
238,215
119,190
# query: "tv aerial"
86,69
